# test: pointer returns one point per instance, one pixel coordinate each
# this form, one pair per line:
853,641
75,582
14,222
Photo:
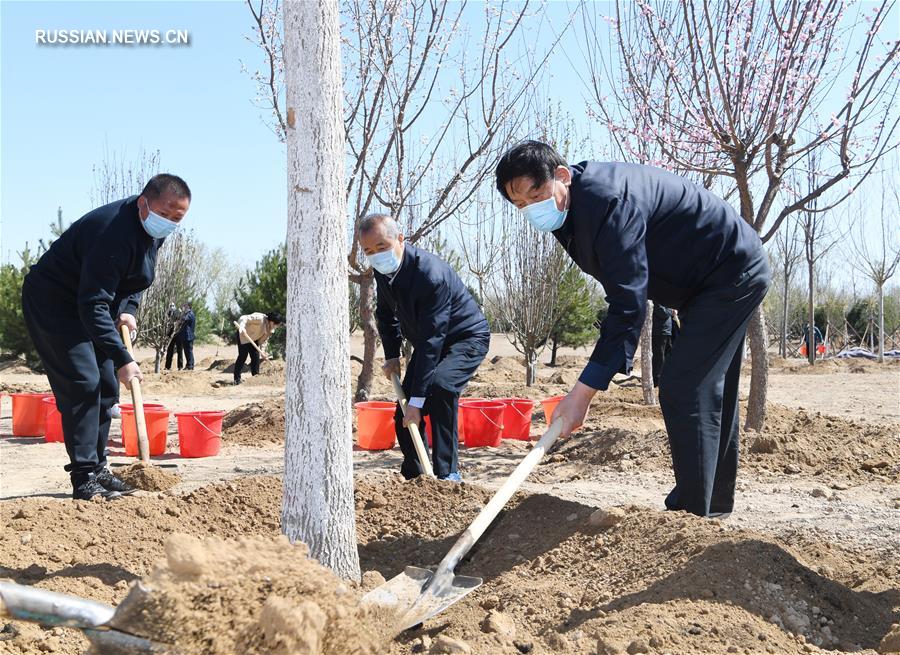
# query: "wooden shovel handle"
413,430
244,332
137,402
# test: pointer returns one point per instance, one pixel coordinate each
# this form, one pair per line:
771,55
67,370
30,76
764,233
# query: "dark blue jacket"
189,321
97,270
429,305
662,320
645,233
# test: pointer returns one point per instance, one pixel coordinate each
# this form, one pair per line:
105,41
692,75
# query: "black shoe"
111,483
89,488
237,382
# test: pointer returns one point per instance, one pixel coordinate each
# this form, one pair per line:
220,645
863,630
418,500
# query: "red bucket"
28,414
52,421
375,425
550,407
460,429
517,418
483,421
157,419
199,433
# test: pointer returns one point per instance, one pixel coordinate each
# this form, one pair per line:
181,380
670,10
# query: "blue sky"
62,106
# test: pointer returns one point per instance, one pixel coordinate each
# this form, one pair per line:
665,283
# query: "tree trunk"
881,323
647,357
157,360
530,368
759,371
318,505
811,317
370,338
784,313
553,348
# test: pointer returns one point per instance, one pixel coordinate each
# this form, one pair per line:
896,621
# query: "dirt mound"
256,596
255,423
148,477
176,382
555,581
25,387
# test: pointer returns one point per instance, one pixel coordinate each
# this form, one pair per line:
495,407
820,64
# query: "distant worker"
643,232
173,329
186,335
422,299
661,338
254,331
75,299
819,340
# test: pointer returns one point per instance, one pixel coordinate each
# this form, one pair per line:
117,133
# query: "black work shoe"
90,487
237,382
111,483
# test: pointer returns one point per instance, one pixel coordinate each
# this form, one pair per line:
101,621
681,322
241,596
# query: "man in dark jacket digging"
645,233
422,299
76,297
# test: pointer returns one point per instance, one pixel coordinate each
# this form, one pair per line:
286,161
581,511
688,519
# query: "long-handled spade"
418,594
413,430
241,330
137,402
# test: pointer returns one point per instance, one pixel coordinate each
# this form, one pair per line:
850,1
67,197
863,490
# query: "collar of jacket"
404,277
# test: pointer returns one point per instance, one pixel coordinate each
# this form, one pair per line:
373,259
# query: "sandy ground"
818,513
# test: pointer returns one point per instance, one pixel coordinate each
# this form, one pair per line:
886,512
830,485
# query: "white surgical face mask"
386,262
544,215
157,226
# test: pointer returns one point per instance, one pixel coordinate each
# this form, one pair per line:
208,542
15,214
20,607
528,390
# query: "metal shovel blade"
417,594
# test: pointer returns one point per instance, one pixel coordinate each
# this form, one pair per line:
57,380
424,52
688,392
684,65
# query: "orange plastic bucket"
28,413
517,418
375,425
483,421
52,420
550,407
199,433
157,419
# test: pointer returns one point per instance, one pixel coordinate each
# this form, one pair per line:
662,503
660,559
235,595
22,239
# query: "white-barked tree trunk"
318,503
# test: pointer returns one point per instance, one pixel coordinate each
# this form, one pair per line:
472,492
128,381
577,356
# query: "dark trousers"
175,345
698,390
188,346
457,366
245,350
662,346
82,379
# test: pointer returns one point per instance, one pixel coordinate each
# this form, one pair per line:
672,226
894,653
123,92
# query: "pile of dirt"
255,596
559,576
148,477
255,423
176,382
621,435
25,387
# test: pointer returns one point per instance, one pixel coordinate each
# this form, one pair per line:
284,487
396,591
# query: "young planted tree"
788,246
575,314
738,92
406,62
318,465
117,176
876,252
528,287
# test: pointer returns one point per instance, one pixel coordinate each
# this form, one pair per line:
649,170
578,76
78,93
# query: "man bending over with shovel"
76,297
645,233
422,299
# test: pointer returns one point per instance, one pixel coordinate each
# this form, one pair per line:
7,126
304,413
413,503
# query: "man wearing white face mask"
422,299
76,297
645,233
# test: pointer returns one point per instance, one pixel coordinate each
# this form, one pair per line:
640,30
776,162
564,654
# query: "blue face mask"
157,226
385,262
544,215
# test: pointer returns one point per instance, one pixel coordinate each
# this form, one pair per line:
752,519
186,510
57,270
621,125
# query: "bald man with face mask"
421,298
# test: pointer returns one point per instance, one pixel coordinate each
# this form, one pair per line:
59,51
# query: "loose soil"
147,477
559,576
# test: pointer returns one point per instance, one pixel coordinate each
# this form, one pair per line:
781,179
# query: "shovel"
137,402
418,594
264,356
413,430
103,625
